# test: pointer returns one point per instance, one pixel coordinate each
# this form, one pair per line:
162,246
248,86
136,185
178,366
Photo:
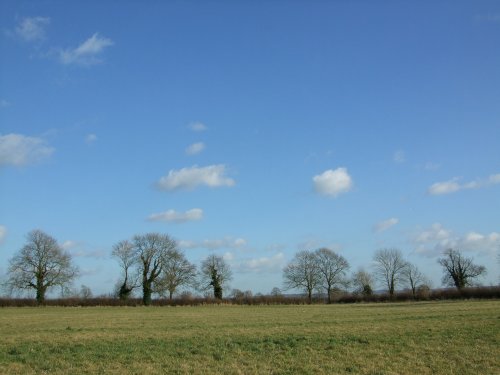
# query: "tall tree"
215,274
363,282
389,267
413,277
124,252
151,250
177,271
40,265
302,273
458,270
332,269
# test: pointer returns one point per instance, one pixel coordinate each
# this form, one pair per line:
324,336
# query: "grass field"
408,338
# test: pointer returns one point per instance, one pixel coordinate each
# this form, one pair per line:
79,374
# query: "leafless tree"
389,267
458,270
151,250
302,273
177,272
124,252
332,269
414,278
362,282
215,274
40,265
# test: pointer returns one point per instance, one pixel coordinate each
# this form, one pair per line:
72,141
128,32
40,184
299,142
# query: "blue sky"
252,130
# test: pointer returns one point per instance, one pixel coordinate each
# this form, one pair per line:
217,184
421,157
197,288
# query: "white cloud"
197,126
432,242
90,138
195,148
446,187
3,233
190,178
435,233
32,29
430,166
272,264
214,244
18,150
333,182
453,185
173,216
68,245
399,156
385,224
4,103
494,179
86,53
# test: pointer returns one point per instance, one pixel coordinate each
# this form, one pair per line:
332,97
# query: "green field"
403,338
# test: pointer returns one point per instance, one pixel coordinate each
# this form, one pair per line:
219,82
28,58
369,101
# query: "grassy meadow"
458,337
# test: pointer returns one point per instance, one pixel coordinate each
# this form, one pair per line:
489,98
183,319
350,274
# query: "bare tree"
413,276
363,282
151,250
177,271
302,273
389,267
332,269
276,292
40,265
215,275
85,292
458,270
124,252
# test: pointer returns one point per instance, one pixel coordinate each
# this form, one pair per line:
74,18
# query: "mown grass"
401,338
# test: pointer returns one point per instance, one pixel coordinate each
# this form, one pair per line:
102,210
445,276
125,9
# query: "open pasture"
401,338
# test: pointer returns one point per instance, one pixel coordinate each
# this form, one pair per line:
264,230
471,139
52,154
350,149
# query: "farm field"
401,338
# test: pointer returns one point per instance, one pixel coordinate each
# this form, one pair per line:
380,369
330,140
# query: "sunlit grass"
406,338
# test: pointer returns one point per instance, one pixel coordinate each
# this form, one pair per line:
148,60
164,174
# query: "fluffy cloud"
273,263
433,241
32,29
86,53
90,138
333,182
190,178
399,156
214,244
172,216
453,185
197,126
385,224
195,148
4,103
3,233
18,150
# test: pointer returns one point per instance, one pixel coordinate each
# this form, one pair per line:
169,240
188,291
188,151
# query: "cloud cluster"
454,185
197,126
214,244
385,224
195,148
333,182
433,241
172,216
90,138
18,150
3,233
87,53
32,29
273,263
399,156
190,178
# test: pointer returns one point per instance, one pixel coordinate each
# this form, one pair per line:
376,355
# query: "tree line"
153,264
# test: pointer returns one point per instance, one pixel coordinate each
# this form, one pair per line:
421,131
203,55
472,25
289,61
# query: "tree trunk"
40,291
146,293
170,294
329,291
309,296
